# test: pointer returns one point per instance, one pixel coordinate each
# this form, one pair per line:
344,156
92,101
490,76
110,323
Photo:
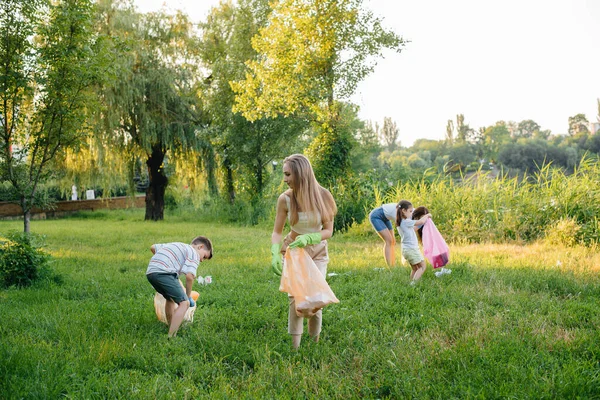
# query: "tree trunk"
210,162
26,214
229,179
155,193
27,221
259,177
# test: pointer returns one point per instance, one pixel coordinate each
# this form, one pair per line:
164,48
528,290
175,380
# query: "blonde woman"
310,210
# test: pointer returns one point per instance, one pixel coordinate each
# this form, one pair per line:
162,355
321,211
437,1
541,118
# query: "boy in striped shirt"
171,260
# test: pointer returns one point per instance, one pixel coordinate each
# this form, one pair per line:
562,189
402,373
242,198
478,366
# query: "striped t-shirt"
174,258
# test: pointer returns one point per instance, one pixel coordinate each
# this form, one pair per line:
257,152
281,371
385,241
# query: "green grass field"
509,322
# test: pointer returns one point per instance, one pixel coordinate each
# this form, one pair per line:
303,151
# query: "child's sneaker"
446,271
413,283
439,273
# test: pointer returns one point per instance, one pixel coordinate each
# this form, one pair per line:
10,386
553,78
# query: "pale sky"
490,60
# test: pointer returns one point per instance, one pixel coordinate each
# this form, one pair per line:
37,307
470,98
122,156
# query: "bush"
564,232
22,262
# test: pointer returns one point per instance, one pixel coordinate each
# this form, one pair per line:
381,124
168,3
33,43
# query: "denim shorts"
168,285
379,221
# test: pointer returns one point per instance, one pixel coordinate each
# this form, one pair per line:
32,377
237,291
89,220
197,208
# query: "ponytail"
402,205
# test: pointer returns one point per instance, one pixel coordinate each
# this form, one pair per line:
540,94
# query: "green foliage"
494,138
315,47
563,232
22,261
363,156
352,198
482,208
389,134
244,148
461,154
527,129
329,155
49,64
530,155
578,124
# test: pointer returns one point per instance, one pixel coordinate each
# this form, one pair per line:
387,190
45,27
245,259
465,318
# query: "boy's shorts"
168,285
379,220
413,256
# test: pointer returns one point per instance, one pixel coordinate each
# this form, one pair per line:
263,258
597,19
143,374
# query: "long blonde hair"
308,192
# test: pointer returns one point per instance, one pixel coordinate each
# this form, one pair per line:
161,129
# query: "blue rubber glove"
276,260
305,240
192,302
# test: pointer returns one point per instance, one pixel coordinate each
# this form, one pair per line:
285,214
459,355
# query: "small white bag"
159,307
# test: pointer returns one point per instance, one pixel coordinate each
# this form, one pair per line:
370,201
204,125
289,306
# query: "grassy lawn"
509,322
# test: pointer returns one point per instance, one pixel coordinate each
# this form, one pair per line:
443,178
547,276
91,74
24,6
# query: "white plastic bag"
302,280
159,308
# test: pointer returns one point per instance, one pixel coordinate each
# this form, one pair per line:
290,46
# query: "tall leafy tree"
47,66
390,133
364,155
312,54
512,127
450,133
464,133
527,129
244,146
578,124
150,106
494,138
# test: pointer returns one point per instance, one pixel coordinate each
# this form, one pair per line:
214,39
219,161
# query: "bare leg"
169,309
178,317
389,247
418,270
296,341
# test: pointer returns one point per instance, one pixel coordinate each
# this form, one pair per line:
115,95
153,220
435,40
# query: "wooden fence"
12,210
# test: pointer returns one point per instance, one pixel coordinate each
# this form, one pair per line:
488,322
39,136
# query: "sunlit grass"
509,322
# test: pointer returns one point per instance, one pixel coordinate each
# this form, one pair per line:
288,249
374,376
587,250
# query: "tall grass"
481,208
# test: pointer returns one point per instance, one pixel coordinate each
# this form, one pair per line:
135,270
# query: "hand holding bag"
302,280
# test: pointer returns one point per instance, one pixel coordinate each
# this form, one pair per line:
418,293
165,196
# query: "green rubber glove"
305,240
276,260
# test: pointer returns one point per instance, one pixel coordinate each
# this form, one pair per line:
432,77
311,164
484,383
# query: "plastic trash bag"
159,308
302,280
435,249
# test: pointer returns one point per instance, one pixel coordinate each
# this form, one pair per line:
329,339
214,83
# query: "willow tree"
312,54
47,66
150,106
244,146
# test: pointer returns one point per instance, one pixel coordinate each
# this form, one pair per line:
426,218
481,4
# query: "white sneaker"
439,273
446,271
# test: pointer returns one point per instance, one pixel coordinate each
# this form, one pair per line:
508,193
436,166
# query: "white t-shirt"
408,234
389,210
174,258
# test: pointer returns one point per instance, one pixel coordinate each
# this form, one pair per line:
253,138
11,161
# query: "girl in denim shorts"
381,218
